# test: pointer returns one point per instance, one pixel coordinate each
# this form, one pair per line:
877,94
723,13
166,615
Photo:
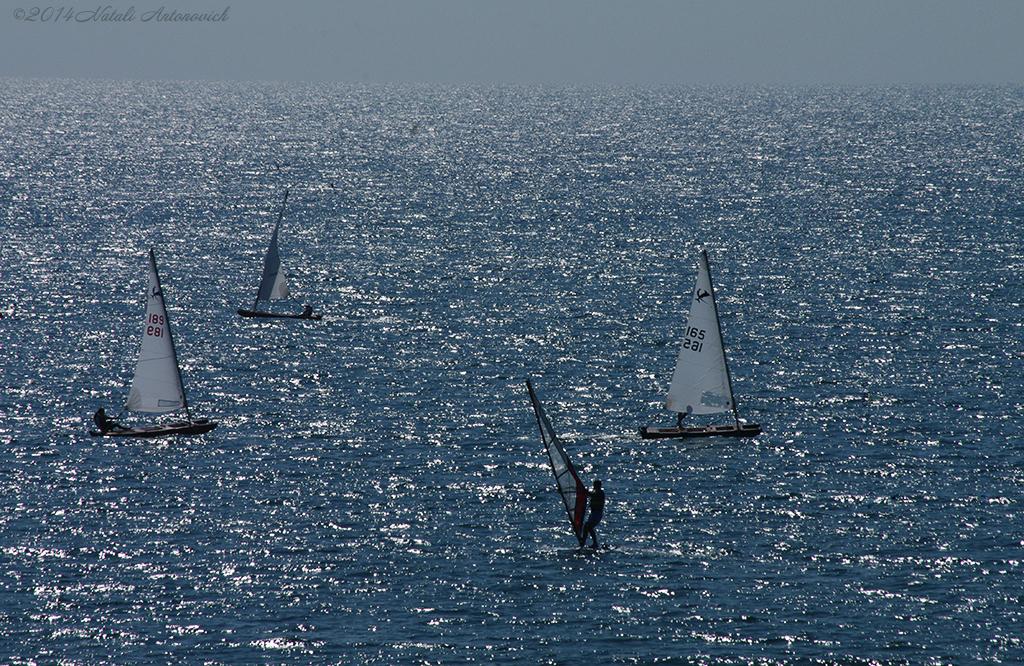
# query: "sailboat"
273,284
701,383
572,490
157,387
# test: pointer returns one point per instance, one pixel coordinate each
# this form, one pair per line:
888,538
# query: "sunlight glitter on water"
376,489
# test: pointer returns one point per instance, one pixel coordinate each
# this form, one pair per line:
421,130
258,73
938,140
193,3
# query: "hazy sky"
525,41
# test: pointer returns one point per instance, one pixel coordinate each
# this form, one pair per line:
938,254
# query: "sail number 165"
155,326
694,338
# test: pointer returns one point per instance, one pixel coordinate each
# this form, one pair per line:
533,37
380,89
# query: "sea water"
376,491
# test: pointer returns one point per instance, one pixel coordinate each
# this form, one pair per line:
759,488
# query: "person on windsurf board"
596,512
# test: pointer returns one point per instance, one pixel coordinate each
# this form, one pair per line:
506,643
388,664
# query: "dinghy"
157,387
701,383
273,284
572,490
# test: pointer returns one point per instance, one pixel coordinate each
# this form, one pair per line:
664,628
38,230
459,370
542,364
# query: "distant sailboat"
701,383
572,490
157,387
273,284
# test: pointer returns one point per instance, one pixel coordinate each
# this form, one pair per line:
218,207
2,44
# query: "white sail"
273,285
157,385
700,383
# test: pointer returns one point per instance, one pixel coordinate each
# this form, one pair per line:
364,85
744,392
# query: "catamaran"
157,387
273,284
701,383
572,490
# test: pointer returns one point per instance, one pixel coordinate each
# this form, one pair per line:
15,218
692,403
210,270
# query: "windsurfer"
104,422
596,510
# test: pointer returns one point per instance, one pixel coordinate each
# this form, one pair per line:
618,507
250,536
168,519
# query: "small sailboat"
572,490
157,387
273,284
701,383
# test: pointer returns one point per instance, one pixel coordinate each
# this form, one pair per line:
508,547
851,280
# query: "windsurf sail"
572,490
157,386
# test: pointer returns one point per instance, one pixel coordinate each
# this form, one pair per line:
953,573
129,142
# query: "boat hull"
729,430
185,428
272,315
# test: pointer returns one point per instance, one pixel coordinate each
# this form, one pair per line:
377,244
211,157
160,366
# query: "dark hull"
729,430
271,315
197,427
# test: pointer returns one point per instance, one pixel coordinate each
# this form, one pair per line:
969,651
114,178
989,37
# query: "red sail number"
155,327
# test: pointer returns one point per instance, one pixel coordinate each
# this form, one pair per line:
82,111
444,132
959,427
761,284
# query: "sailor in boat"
307,312
682,415
105,423
596,510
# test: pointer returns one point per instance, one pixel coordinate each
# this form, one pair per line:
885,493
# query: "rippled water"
376,491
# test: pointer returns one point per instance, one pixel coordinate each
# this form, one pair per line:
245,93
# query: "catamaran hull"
730,430
197,427
271,315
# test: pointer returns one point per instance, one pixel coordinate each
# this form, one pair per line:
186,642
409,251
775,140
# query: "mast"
725,360
170,334
273,241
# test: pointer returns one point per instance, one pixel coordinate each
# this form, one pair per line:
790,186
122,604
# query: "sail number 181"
155,326
694,339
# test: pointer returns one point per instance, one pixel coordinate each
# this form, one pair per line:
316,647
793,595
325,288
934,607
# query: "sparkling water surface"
376,491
